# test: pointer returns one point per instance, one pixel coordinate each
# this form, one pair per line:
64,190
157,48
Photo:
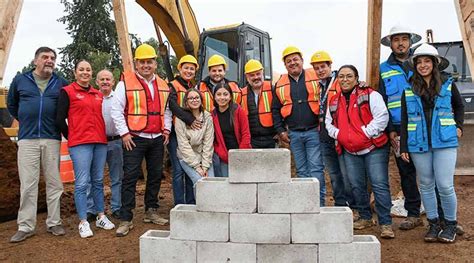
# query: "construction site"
178,32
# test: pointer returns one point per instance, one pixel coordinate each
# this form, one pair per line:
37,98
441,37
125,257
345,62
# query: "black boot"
433,231
448,234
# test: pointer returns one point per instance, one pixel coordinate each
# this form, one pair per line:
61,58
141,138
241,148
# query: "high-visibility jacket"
85,120
144,113
265,99
180,92
208,98
395,81
443,127
349,119
282,91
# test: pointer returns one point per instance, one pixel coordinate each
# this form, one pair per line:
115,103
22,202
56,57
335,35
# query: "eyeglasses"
194,98
345,76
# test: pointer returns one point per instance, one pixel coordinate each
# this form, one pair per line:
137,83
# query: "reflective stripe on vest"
208,98
282,90
180,92
395,81
264,104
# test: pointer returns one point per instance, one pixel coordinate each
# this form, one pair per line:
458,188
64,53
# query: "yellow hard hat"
216,60
145,51
321,56
290,50
188,59
252,66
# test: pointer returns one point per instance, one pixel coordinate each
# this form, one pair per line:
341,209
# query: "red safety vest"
265,99
85,121
144,113
208,98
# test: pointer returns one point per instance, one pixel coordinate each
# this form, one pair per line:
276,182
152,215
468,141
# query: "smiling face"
105,81
347,79
222,98
322,69
44,64
193,100
83,73
424,65
400,44
146,67
217,73
255,79
187,71
294,64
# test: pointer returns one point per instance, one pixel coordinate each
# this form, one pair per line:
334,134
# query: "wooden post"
465,12
374,30
122,33
9,14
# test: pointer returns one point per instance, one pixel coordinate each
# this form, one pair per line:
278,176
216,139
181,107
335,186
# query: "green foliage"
161,71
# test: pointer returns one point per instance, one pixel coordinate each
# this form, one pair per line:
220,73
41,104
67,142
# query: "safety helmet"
252,66
216,60
321,56
290,50
428,50
145,51
188,59
399,29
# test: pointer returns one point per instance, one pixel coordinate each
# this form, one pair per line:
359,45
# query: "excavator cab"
237,44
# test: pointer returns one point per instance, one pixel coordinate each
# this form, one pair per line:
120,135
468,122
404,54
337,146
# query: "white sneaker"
104,223
85,230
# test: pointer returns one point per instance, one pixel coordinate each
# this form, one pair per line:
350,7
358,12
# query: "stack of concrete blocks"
258,214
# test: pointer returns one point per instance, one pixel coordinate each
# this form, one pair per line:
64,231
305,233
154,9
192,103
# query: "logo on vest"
79,96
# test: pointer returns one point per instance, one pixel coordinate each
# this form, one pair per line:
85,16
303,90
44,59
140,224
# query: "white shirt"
118,110
110,129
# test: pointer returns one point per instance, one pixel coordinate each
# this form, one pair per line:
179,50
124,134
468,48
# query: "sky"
337,26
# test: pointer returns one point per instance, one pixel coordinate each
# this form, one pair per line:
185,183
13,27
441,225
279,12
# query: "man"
105,81
32,100
256,101
296,106
341,188
394,77
217,67
143,120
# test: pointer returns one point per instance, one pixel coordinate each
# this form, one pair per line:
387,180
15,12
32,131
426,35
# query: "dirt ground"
104,246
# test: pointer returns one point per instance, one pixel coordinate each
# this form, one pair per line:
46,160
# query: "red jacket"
85,121
241,129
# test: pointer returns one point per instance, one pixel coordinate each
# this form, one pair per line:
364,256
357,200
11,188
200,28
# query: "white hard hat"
428,50
399,29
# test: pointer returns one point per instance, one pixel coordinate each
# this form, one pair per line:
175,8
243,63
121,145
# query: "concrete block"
260,228
259,166
189,224
287,253
301,195
364,248
215,194
156,246
331,225
226,252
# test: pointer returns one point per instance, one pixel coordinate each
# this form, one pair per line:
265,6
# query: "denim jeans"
372,167
182,186
436,168
152,151
221,169
115,164
335,165
192,174
305,148
89,162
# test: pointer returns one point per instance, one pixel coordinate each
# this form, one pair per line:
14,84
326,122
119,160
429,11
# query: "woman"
432,119
81,105
195,147
231,128
357,118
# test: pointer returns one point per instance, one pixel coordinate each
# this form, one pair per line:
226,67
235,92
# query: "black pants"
152,151
409,187
262,142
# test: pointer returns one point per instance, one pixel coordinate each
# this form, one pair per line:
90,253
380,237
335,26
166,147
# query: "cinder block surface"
287,253
301,195
260,228
259,166
156,246
226,252
364,248
216,194
189,224
331,225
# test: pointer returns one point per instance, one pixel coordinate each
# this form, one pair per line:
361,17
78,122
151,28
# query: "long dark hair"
427,92
232,107
185,98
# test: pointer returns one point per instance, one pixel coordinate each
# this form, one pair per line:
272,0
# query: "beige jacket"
195,147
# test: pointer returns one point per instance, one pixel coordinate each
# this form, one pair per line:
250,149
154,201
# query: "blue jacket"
395,81
35,111
443,127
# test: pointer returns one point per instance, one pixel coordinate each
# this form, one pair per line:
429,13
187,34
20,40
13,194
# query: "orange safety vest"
282,91
265,98
208,98
180,92
138,116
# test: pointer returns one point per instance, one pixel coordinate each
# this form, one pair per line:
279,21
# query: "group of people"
327,118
